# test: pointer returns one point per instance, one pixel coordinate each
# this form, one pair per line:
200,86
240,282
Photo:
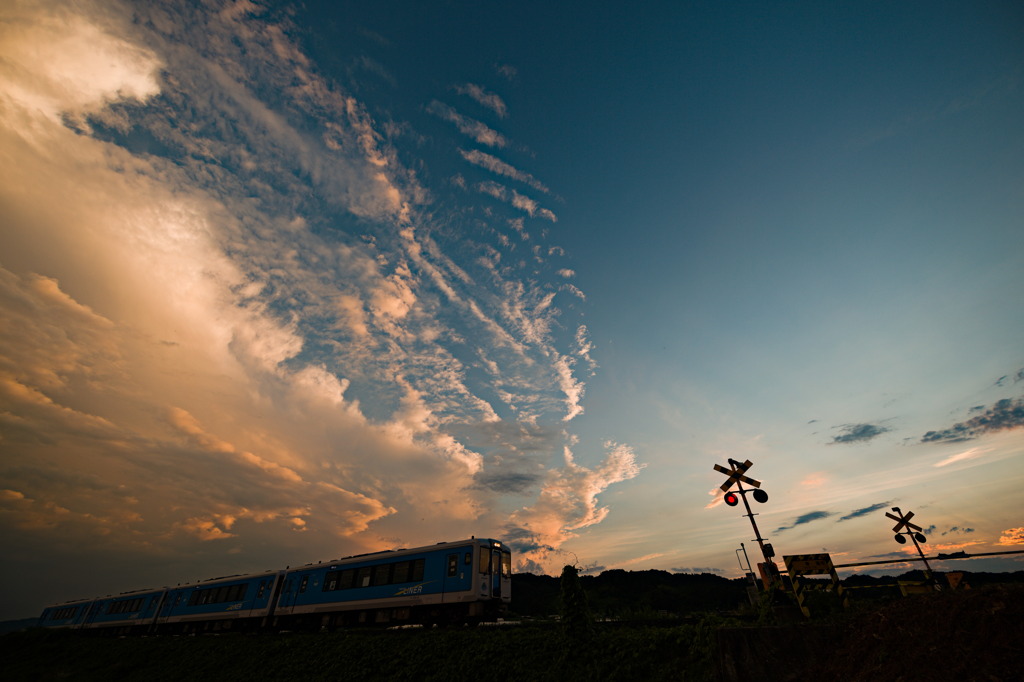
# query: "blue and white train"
450,582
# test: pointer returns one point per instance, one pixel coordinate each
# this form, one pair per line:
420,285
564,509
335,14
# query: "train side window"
453,565
331,581
382,574
401,572
468,559
363,576
262,589
506,564
302,585
347,579
416,574
485,559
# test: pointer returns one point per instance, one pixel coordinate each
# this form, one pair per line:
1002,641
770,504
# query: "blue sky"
287,282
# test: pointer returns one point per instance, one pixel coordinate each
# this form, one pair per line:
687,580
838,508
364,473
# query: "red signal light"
732,499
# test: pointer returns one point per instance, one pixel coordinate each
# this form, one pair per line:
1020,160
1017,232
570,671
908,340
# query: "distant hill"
15,625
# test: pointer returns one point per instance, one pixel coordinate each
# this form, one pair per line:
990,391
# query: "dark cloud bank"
1005,414
859,433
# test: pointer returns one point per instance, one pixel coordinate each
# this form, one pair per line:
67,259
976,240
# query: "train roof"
356,558
207,582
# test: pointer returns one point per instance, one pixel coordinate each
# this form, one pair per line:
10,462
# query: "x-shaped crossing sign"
736,474
903,521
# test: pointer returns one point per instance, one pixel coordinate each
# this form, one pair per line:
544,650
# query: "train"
464,581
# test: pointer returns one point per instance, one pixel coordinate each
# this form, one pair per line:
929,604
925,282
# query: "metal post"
750,514
927,568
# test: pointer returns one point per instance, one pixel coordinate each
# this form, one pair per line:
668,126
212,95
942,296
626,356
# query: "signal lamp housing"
732,499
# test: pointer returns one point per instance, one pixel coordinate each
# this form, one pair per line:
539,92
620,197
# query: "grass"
526,652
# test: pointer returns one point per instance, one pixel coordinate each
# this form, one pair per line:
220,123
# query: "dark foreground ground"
971,635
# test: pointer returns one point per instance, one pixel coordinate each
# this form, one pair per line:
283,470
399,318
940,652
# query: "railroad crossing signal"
914,531
903,521
736,474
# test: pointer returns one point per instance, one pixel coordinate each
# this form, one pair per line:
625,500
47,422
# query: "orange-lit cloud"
972,453
1012,536
815,480
193,361
568,503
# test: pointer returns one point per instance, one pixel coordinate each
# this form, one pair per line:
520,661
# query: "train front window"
485,559
506,564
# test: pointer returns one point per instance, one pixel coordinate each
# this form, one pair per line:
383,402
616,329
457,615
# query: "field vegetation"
965,635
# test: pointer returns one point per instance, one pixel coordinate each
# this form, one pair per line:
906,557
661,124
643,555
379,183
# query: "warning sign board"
809,564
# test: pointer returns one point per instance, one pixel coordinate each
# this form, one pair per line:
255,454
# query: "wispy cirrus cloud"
499,167
480,132
972,453
523,203
486,98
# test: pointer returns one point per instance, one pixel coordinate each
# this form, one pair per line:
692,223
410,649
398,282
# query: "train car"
240,602
463,581
126,613
70,614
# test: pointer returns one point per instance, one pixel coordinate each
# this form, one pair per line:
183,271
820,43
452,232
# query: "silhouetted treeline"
632,594
651,594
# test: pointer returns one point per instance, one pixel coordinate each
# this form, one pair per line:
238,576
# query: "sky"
285,282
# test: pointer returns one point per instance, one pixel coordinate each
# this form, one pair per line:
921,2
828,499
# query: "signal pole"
914,531
737,477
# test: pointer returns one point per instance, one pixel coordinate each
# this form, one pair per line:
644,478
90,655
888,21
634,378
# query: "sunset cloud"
1012,536
568,503
250,342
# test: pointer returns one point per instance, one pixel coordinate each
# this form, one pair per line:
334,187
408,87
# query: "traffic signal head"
732,499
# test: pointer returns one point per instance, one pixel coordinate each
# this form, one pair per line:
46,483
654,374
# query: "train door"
496,572
505,577
458,570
